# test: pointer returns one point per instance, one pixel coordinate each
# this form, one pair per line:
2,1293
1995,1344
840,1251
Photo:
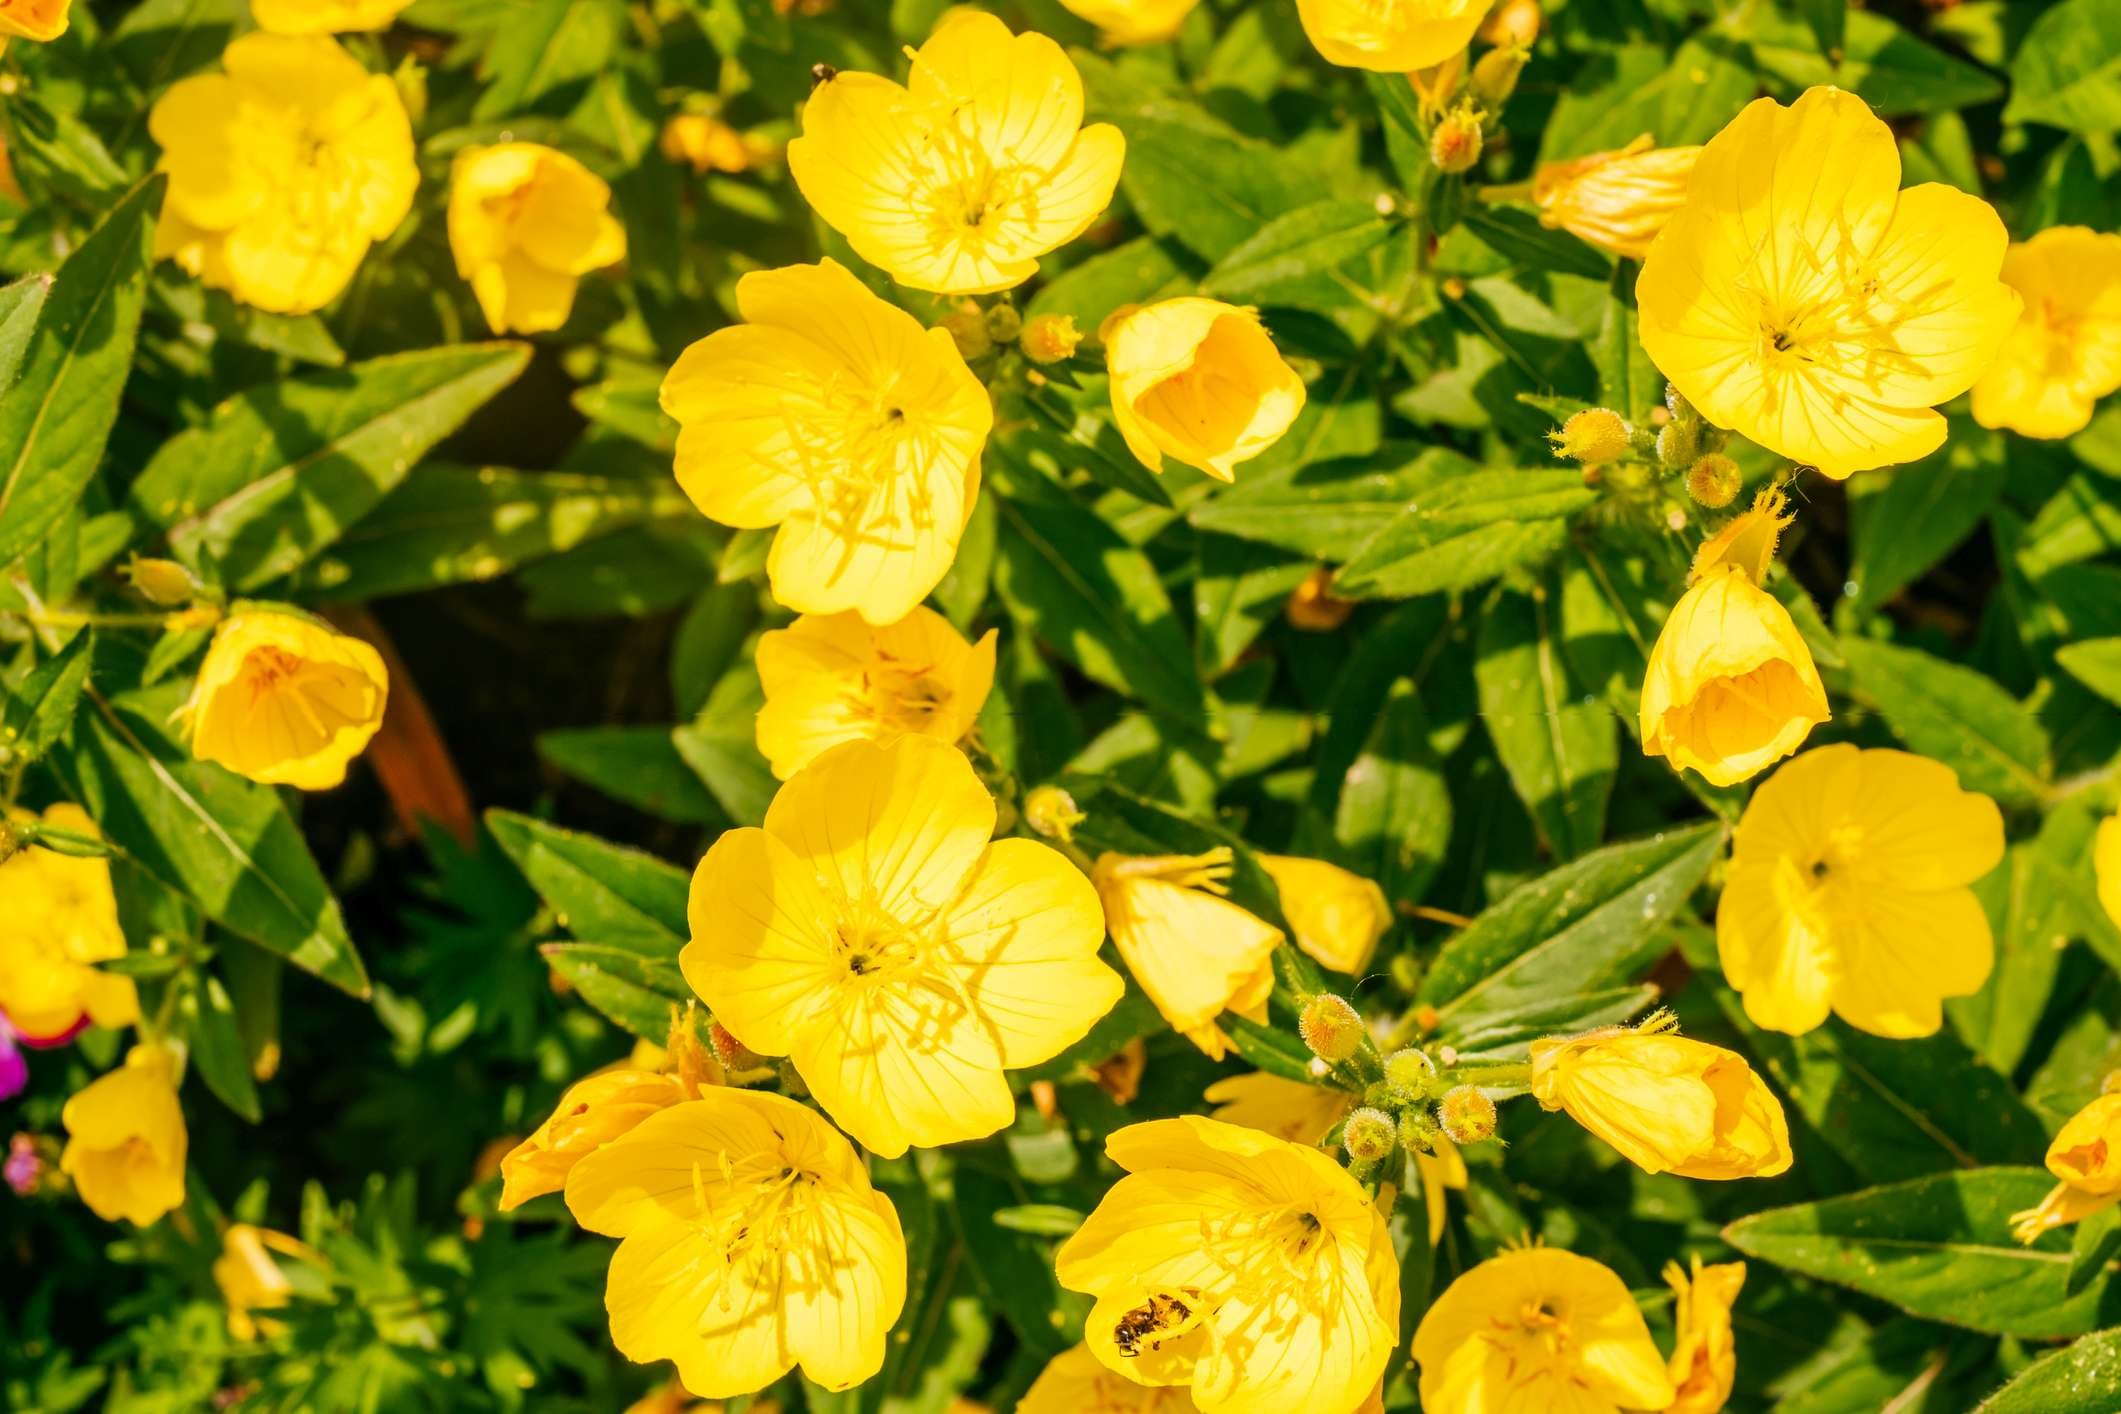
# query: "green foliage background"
584,639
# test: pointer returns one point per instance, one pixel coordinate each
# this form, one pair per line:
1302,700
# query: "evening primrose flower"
838,418
526,222
593,1112
1704,1365
873,935
324,16
1667,1103
1538,1328
1848,892
832,678
61,919
251,1280
283,170
958,182
1198,381
707,144
1800,298
284,700
1131,22
1731,687
2064,353
1194,952
1073,1382
2086,1159
751,1242
1393,37
1254,1270
1617,201
126,1140
41,20
1337,916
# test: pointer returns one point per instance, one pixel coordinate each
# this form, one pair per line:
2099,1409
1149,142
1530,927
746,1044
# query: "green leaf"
1135,272
1329,508
225,842
2082,1378
208,1017
56,418
2029,908
1508,1035
1517,236
1239,588
2093,1245
40,708
635,991
721,747
597,889
2096,663
639,765
20,305
1908,518
1461,530
1568,930
1828,20
1894,71
1955,715
1560,751
1201,183
281,471
546,54
1940,1248
2081,520
1309,241
1628,382
1394,816
2067,71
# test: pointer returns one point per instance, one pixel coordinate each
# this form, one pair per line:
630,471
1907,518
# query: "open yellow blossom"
873,934
1731,687
251,1280
284,700
1199,381
126,1140
526,222
1538,1329
1802,299
1704,1365
2064,353
707,144
2106,866
1254,1270
1617,201
832,678
325,16
2086,1159
1194,952
41,20
960,180
594,1111
1667,1103
1848,892
1337,916
61,919
1073,1382
1392,37
1131,22
751,1242
283,170
838,418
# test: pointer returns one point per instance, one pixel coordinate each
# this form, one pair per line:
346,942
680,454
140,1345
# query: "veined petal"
1905,953
761,954
903,1063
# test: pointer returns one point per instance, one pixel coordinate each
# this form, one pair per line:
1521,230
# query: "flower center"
871,944
752,1210
900,698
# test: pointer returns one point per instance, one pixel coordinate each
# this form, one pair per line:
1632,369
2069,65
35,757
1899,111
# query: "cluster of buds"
1044,339
1459,104
1635,463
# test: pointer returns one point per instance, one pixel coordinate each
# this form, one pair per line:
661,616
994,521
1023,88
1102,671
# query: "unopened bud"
1050,338
1313,608
1418,1131
1454,146
1466,1115
1592,436
1495,75
1714,481
1678,444
1330,1027
163,582
968,326
1051,812
1368,1135
1004,323
1410,1073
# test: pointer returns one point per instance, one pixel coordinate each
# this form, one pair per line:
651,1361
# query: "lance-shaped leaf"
1561,751
1462,530
39,709
597,889
1956,715
2083,1378
635,991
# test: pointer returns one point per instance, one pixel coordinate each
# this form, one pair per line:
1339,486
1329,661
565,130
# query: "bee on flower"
1198,381
1193,951
1125,23
1390,38
2064,353
284,700
957,182
61,920
2085,1158
1617,201
126,1139
526,222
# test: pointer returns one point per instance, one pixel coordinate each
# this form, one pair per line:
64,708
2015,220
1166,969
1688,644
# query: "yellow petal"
1026,931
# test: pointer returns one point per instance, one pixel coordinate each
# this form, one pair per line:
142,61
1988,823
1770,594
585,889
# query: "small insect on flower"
284,700
61,919
2064,353
1393,37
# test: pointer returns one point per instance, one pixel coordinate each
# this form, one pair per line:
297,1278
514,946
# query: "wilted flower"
1617,201
324,16
2064,353
61,919
284,700
525,224
1337,916
1704,1365
2086,1157
1393,37
1130,22
1199,381
126,1140
1194,952
593,1112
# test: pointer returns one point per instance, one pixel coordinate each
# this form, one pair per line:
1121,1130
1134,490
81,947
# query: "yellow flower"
284,700
2064,353
960,181
1802,299
1338,916
873,934
752,1242
1286,1109
126,1140
34,19
251,1281
1392,37
1848,892
1131,22
2086,1157
1444,1169
2106,866
1617,201
1731,687
1538,1329
710,145
1074,1383
282,171
1194,952
838,418
62,918
1252,1269
525,224
1704,1365
595,1110
1668,1104
831,678
1199,381
324,16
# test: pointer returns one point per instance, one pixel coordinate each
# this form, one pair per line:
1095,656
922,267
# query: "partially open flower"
1337,915
34,19
595,1110
1199,381
526,222
1194,952
250,1276
126,1140
2085,1158
61,918
284,700
1617,201
1390,38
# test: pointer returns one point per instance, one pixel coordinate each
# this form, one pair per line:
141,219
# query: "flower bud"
1592,436
1331,1028
1678,443
1714,481
1466,1115
1004,323
1454,145
1368,1135
1410,1073
1418,1131
1495,75
1313,608
1050,338
163,582
1051,812
968,326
